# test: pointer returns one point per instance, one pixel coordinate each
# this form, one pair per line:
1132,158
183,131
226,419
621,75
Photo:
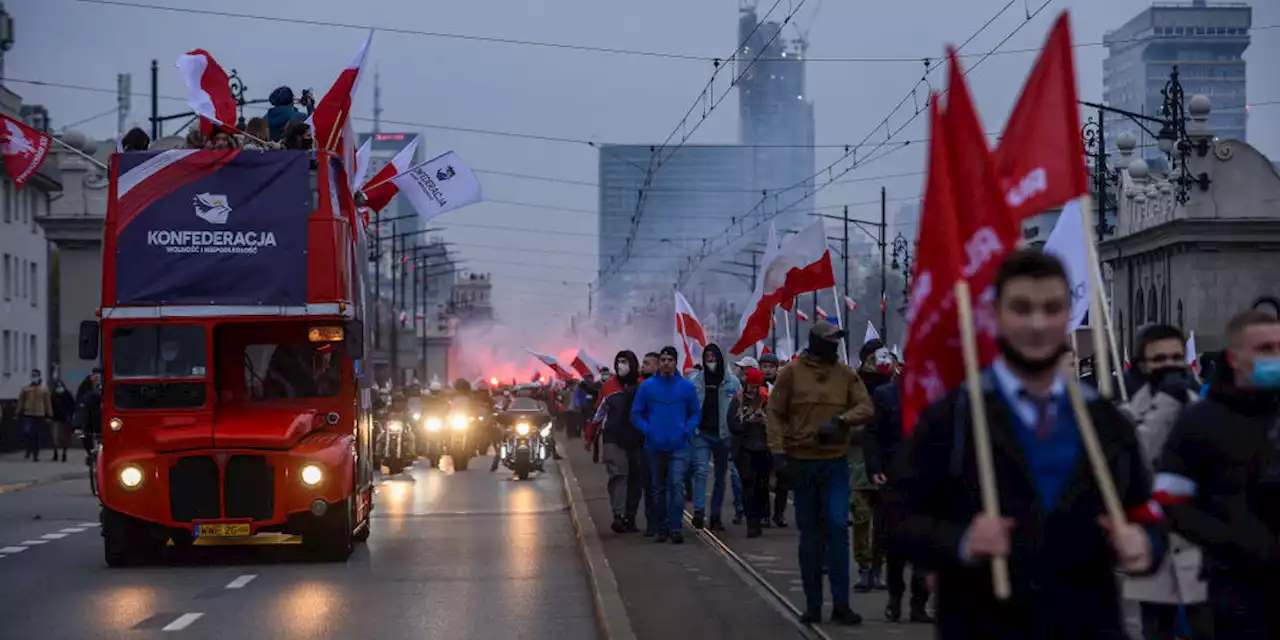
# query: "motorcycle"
456,434
524,448
396,448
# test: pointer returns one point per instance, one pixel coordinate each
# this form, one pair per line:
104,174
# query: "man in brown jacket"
813,408
34,410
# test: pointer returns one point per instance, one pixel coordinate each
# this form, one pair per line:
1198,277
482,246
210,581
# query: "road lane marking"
185,620
88,524
33,542
240,582
12,549
72,530
54,536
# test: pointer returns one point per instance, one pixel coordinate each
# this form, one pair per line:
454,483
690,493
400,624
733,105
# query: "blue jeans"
666,484
708,450
821,490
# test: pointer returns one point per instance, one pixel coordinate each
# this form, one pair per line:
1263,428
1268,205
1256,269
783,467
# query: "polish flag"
585,364
821,314
687,328
770,252
803,265
208,90
363,156
884,302
1193,357
802,316
24,148
380,189
849,304
554,364
334,109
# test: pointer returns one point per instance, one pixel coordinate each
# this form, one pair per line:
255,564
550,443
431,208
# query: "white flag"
1070,244
439,185
871,333
363,155
1193,358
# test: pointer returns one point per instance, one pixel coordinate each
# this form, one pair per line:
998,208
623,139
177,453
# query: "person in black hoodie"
1218,480
623,446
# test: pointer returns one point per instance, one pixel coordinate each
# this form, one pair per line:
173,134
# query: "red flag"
933,365
986,231
208,90
802,265
24,149
884,302
821,314
334,108
687,327
849,304
1041,154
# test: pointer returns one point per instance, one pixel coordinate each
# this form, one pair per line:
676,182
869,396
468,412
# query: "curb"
27,484
611,614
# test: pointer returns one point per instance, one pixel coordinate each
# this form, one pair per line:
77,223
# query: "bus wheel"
330,536
126,542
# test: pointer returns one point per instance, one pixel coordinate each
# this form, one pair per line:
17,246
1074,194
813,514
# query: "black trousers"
780,490
888,517
1160,621
1243,609
754,468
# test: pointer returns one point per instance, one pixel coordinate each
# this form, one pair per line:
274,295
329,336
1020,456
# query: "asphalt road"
452,555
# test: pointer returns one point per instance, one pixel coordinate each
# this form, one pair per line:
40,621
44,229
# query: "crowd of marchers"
1196,464
283,127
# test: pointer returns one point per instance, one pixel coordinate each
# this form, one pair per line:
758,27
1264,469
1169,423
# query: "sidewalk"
672,591
17,474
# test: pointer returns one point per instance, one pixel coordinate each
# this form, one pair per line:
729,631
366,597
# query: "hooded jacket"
666,411
809,393
616,408
727,390
282,112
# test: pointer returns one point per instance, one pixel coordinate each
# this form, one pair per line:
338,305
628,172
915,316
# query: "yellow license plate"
236,530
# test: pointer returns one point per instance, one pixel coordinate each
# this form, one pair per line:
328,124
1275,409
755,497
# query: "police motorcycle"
397,443
526,427
457,432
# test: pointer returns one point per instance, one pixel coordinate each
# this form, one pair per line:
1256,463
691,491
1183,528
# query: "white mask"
624,368
712,366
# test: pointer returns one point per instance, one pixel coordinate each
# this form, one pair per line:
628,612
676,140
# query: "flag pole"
78,152
1103,340
786,323
1093,448
333,135
844,350
981,434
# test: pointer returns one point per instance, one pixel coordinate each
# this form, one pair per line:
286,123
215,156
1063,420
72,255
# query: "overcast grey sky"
570,94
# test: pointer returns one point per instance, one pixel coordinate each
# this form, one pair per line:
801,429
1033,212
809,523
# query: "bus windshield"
158,351
298,369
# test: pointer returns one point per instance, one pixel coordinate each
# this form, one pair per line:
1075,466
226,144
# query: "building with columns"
1198,263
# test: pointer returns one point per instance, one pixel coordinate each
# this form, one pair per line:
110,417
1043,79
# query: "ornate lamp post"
903,262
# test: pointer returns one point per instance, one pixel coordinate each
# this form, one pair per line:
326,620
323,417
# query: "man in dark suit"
1062,550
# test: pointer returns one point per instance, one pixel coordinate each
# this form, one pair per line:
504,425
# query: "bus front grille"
249,487
193,489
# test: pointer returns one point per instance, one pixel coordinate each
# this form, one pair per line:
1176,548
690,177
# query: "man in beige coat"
1168,387
35,408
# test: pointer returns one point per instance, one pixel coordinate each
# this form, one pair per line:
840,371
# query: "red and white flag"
1193,356
931,367
1040,159
884,302
208,90
334,109
822,315
770,252
585,364
381,189
554,364
687,330
24,149
803,265
849,304
802,316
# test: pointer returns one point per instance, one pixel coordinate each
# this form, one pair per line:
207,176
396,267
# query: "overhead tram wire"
710,247
709,105
570,46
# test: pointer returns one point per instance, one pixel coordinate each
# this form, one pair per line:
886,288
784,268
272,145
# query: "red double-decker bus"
231,339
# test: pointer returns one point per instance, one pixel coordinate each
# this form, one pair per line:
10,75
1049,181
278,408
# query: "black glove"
830,430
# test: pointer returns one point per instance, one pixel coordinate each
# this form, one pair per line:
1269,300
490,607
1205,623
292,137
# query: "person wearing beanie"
282,111
812,413
666,411
769,364
623,445
751,449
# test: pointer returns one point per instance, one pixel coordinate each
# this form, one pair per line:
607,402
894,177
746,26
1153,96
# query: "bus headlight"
522,429
434,424
131,477
458,422
311,475
395,426
116,424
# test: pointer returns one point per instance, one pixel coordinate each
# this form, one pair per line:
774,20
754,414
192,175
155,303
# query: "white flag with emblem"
439,185
1069,243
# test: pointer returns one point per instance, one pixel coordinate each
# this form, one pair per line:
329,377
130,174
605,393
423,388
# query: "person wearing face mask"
812,411
64,407
1062,551
769,367
1218,480
751,448
716,391
1168,387
867,513
622,446
35,408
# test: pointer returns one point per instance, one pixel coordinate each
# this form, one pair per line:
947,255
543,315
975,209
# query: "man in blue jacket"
667,412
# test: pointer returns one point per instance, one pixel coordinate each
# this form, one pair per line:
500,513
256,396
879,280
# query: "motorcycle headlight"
395,425
458,422
522,429
417,416
546,431
434,424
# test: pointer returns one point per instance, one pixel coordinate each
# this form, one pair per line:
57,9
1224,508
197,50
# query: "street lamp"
902,262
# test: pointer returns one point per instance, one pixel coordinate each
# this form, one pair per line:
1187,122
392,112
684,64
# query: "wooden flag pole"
1093,448
333,135
1104,340
981,434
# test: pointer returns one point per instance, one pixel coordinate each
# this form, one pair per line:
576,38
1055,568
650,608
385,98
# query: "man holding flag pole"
1016,485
